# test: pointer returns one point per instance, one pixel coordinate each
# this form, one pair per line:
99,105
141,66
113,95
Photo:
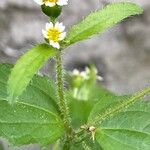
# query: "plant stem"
60,87
61,96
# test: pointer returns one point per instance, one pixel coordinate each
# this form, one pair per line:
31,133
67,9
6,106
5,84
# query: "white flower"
52,3
86,74
82,74
54,33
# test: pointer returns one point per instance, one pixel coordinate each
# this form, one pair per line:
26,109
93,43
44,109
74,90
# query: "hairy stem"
123,105
60,89
61,96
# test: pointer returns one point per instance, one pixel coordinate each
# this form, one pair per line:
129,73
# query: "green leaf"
1,146
26,67
23,123
80,109
87,144
4,72
32,119
105,109
101,20
40,92
128,130
98,93
105,103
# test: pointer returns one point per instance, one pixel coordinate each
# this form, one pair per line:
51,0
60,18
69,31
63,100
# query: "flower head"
52,3
54,33
82,82
85,75
82,74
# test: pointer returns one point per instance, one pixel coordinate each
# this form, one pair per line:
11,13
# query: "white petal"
62,36
84,75
45,34
87,70
49,26
100,78
62,2
55,44
50,4
40,2
59,26
75,72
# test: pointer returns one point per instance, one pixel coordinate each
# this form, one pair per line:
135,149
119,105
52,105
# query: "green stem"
61,96
60,87
123,105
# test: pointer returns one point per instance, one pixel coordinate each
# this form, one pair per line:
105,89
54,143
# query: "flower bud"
52,12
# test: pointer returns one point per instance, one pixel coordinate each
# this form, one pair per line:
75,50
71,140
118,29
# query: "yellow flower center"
54,34
52,1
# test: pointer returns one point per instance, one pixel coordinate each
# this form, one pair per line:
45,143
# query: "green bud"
77,81
52,12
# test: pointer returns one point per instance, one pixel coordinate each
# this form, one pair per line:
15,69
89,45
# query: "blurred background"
122,54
